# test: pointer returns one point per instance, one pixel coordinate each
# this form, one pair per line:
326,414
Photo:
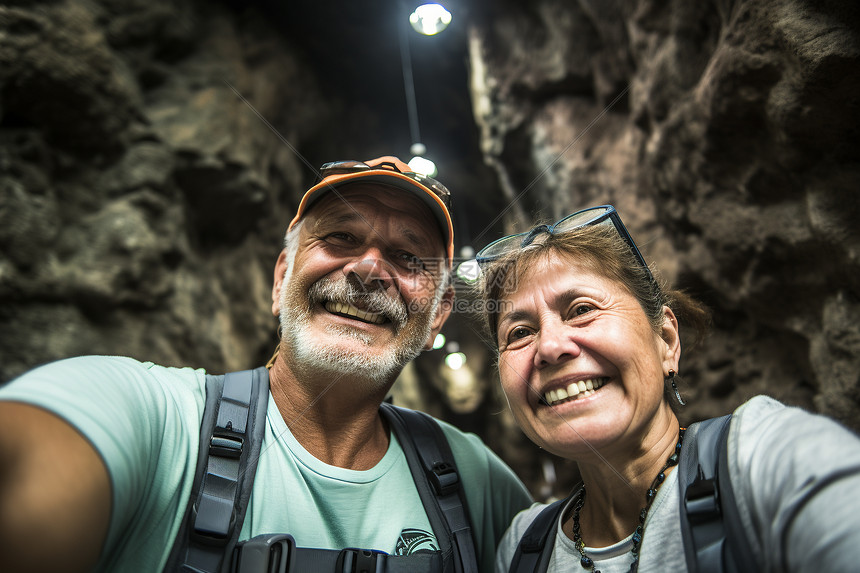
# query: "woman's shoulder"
759,405
511,539
524,519
548,513
779,457
775,451
767,417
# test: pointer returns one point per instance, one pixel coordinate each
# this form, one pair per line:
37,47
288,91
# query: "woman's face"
565,328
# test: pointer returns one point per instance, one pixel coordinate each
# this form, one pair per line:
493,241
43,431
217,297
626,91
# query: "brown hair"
602,249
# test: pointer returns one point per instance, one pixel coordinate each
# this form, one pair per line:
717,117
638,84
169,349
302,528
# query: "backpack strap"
533,552
434,472
714,537
439,485
233,426
231,435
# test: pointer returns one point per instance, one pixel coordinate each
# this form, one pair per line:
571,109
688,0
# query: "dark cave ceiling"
355,50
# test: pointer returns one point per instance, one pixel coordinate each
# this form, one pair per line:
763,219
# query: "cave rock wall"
726,134
142,198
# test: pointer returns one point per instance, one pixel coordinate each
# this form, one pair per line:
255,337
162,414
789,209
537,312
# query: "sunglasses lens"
498,248
580,219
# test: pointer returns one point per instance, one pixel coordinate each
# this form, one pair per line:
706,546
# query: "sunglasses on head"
604,214
350,166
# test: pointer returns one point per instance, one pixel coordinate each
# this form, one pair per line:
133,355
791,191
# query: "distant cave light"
430,19
455,360
468,271
423,166
439,341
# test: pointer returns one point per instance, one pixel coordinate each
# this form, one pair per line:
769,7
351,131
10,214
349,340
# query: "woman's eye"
517,334
580,309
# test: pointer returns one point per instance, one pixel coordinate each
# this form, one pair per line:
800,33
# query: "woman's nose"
555,345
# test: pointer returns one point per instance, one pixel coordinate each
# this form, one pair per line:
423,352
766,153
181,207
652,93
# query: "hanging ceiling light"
423,166
430,19
420,164
455,360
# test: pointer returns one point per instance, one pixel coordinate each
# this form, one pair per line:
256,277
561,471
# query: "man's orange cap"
392,172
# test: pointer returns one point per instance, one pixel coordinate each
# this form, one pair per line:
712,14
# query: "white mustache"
344,291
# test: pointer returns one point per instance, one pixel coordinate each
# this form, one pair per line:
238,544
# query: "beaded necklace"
585,560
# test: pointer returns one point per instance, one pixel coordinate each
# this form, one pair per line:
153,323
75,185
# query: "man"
98,453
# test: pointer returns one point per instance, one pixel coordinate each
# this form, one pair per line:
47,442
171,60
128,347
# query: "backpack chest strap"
277,553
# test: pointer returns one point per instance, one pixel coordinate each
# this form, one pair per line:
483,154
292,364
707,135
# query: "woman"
588,351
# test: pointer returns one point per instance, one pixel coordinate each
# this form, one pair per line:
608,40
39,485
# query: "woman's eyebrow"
514,316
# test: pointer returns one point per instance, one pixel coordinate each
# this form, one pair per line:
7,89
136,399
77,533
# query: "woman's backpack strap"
714,538
536,545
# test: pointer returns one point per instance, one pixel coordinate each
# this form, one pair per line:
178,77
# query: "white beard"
317,358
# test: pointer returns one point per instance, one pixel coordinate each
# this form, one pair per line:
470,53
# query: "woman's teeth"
573,391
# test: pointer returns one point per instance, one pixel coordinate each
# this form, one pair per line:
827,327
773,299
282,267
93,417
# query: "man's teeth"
349,310
574,391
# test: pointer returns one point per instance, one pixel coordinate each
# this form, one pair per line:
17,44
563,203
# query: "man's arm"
55,493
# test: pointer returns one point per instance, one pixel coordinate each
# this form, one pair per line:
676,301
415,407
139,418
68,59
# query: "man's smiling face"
361,295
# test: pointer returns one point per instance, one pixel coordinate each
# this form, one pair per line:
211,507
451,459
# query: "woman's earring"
675,388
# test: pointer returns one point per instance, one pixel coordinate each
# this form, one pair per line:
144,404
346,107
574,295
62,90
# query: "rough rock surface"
142,200
726,133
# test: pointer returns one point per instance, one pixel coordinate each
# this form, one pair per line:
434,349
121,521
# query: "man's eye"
338,237
411,262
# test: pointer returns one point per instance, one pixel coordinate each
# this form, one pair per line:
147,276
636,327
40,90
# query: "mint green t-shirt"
144,421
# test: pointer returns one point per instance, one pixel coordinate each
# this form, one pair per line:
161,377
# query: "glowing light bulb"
455,360
430,19
439,341
469,271
423,166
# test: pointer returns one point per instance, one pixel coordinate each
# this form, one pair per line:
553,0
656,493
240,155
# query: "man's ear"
443,311
280,271
671,336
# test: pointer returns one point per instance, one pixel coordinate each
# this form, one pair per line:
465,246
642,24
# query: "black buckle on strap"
225,445
270,553
444,478
353,560
702,501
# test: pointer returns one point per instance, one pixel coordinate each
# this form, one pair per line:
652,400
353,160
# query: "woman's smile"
573,391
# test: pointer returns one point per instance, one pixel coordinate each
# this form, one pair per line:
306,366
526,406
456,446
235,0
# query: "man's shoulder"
463,440
476,458
112,366
89,382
